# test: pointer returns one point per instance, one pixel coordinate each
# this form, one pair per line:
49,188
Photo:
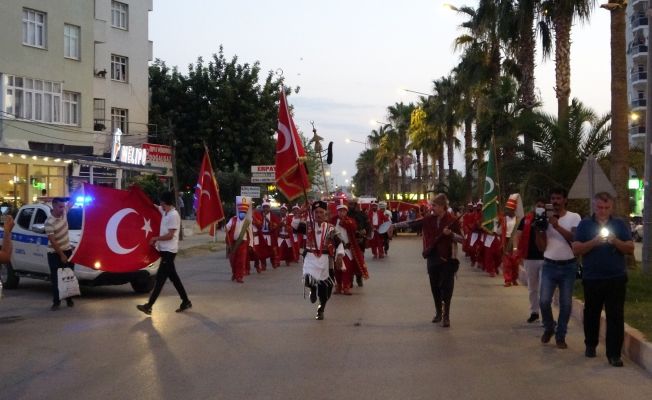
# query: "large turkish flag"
208,204
116,230
291,174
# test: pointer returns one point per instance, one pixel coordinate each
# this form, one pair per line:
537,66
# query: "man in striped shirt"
60,250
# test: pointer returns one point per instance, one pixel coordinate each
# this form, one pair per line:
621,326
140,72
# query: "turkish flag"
208,205
116,230
291,174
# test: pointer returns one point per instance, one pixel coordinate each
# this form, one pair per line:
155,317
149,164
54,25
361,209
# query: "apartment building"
637,54
72,72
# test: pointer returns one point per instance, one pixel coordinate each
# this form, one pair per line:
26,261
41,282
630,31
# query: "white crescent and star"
111,232
205,192
491,185
283,130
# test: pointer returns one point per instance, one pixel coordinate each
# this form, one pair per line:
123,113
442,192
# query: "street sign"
590,181
263,174
250,191
262,179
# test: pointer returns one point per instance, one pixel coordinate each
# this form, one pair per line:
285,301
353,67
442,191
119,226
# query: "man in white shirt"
559,266
167,243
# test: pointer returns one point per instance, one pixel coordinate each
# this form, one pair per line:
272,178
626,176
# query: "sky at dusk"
352,57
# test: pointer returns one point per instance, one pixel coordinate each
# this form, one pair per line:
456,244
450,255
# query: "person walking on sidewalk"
167,243
603,241
553,236
60,249
532,257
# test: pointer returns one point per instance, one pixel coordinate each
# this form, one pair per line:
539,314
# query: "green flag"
490,197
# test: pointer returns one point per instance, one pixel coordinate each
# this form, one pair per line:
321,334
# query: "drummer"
386,234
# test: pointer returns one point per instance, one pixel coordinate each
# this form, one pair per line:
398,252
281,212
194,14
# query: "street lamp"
347,140
450,7
417,92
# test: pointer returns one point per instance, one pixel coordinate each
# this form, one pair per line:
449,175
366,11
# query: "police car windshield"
75,218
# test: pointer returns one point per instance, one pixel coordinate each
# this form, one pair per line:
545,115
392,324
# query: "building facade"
71,73
637,53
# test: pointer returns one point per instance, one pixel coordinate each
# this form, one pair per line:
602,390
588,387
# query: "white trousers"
533,270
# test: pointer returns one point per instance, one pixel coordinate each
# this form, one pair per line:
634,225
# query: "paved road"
259,341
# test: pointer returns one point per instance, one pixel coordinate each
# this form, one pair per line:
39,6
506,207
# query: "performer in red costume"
468,223
297,238
511,259
376,218
345,228
239,243
285,239
266,230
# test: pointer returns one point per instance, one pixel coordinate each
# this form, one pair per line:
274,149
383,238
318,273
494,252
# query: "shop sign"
263,174
250,191
127,154
158,155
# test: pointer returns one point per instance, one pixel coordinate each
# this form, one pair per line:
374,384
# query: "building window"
71,41
34,28
70,105
32,99
119,15
99,116
119,65
119,119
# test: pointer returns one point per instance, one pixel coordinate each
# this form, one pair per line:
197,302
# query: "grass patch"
638,303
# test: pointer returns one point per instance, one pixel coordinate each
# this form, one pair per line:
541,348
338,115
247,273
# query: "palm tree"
619,109
445,107
561,13
399,115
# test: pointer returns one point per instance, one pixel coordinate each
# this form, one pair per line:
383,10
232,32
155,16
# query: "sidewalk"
194,239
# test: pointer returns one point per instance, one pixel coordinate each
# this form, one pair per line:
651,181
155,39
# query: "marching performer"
386,235
513,215
285,241
320,256
265,229
346,228
376,218
239,239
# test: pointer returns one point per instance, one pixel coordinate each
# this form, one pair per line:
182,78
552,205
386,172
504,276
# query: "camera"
540,219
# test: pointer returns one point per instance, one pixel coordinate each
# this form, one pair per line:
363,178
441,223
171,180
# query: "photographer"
553,237
603,241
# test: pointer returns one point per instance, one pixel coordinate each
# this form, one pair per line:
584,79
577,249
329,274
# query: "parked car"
30,247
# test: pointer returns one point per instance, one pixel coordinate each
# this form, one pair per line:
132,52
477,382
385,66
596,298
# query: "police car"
30,248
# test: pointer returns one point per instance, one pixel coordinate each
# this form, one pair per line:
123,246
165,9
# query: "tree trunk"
526,63
619,109
441,165
450,147
562,26
468,156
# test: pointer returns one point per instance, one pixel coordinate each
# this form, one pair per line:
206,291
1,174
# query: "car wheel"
8,276
143,285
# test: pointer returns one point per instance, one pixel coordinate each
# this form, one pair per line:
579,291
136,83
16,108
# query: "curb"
635,347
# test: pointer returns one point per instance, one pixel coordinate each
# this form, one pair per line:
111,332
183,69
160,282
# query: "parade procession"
325,200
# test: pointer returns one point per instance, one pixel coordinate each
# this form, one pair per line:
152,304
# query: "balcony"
638,79
636,130
639,103
638,50
640,5
638,21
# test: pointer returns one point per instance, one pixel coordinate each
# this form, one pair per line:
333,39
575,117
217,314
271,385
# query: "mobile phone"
549,210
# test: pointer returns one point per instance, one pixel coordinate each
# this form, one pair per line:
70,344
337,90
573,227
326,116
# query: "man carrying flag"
208,205
239,239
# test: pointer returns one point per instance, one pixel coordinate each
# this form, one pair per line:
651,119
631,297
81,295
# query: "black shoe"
313,294
589,352
184,306
320,313
561,344
437,318
533,317
446,323
146,308
69,302
615,362
358,280
547,335
55,306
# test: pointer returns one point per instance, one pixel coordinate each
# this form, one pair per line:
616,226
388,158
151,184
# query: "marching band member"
376,218
346,228
239,239
265,228
285,241
320,255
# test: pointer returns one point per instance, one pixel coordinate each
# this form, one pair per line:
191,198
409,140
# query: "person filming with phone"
603,241
554,234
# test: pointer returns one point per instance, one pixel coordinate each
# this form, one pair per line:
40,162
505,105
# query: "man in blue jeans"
554,234
603,241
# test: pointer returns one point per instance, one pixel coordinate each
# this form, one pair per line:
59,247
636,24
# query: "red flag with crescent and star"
291,174
116,230
208,205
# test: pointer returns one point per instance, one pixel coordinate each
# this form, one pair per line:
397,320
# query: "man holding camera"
554,234
603,241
